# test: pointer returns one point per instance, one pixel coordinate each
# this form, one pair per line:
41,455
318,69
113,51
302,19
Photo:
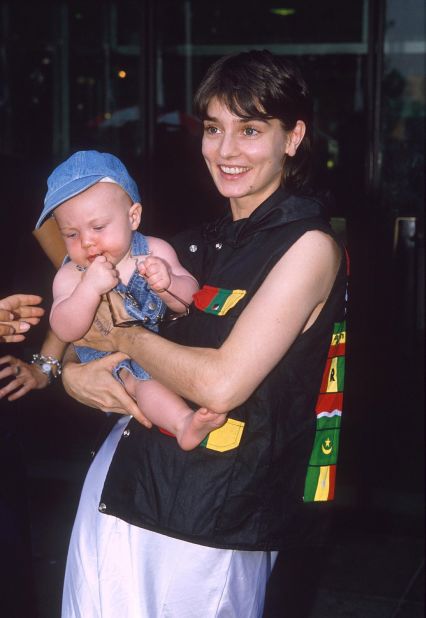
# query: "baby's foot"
197,426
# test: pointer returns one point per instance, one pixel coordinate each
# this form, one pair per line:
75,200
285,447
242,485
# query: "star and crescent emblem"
327,446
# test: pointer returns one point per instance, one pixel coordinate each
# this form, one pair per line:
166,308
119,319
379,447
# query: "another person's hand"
17,314
156,272
95,336
94,385
26,377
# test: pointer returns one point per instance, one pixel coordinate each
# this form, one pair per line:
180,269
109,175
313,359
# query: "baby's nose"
86,242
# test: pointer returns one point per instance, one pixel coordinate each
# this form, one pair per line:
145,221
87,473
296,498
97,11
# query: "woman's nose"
229,146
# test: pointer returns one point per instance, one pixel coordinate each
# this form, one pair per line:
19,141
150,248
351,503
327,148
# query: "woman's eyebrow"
240,120
255,119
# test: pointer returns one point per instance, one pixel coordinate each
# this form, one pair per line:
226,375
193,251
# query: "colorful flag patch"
319,485
338,340
217,301
329,402
334,375
226,437
321,473
326,443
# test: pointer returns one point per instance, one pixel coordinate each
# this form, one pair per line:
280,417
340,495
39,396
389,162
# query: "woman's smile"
233,171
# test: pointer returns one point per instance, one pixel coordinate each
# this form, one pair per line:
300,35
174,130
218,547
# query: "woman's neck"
243,207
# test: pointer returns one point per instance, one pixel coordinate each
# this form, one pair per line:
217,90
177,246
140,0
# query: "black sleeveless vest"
251,483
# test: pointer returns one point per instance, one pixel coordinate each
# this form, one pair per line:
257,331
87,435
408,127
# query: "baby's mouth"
91,258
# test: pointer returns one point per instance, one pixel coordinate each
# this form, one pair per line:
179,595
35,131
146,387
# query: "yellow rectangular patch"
322,491
226,437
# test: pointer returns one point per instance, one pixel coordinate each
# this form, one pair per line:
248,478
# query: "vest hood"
277,210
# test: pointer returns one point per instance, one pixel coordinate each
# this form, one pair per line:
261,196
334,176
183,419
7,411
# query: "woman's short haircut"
259,84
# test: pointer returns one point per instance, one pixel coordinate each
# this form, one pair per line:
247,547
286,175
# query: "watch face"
46,368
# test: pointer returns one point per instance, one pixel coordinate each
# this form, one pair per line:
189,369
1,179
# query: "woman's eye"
73,235
250,131
211,130
98,228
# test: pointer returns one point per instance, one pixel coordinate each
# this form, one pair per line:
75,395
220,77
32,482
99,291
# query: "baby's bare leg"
170,412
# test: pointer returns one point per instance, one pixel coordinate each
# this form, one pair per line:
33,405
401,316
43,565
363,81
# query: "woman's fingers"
94,385
26,377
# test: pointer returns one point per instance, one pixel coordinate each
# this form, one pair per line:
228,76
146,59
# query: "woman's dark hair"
258,84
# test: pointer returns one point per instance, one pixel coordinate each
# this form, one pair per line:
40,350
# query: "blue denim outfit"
141,303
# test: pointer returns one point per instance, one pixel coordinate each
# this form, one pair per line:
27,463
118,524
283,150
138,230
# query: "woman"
179,534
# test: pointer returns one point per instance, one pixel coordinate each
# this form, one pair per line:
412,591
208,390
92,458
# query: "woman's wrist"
128,340
50,366
42,380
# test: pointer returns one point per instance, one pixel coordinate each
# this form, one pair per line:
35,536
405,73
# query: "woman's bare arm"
286,304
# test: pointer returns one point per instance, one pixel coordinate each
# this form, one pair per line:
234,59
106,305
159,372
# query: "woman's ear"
135,214
294,138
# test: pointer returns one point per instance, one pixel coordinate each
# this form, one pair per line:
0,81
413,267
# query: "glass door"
191,35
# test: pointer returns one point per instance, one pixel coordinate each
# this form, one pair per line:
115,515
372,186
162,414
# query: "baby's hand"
156,272
101,275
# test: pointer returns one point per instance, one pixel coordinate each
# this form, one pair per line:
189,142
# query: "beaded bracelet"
46,364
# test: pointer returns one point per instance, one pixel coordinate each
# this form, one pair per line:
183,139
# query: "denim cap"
81,171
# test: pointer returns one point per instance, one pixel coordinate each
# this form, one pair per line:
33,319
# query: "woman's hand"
95,336
94,385
26,378
17,314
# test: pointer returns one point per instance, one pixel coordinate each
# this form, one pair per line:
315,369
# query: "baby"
97,207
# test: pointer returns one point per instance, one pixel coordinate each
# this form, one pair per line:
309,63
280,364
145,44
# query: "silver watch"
46,365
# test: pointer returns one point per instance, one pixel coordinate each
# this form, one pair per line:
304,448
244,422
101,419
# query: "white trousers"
117,570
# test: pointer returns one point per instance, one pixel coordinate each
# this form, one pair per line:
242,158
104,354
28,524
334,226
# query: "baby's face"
98,221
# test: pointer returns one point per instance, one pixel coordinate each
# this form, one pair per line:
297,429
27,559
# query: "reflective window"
120,76
333,58
403,108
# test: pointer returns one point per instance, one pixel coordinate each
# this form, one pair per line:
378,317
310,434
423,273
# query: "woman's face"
244,157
